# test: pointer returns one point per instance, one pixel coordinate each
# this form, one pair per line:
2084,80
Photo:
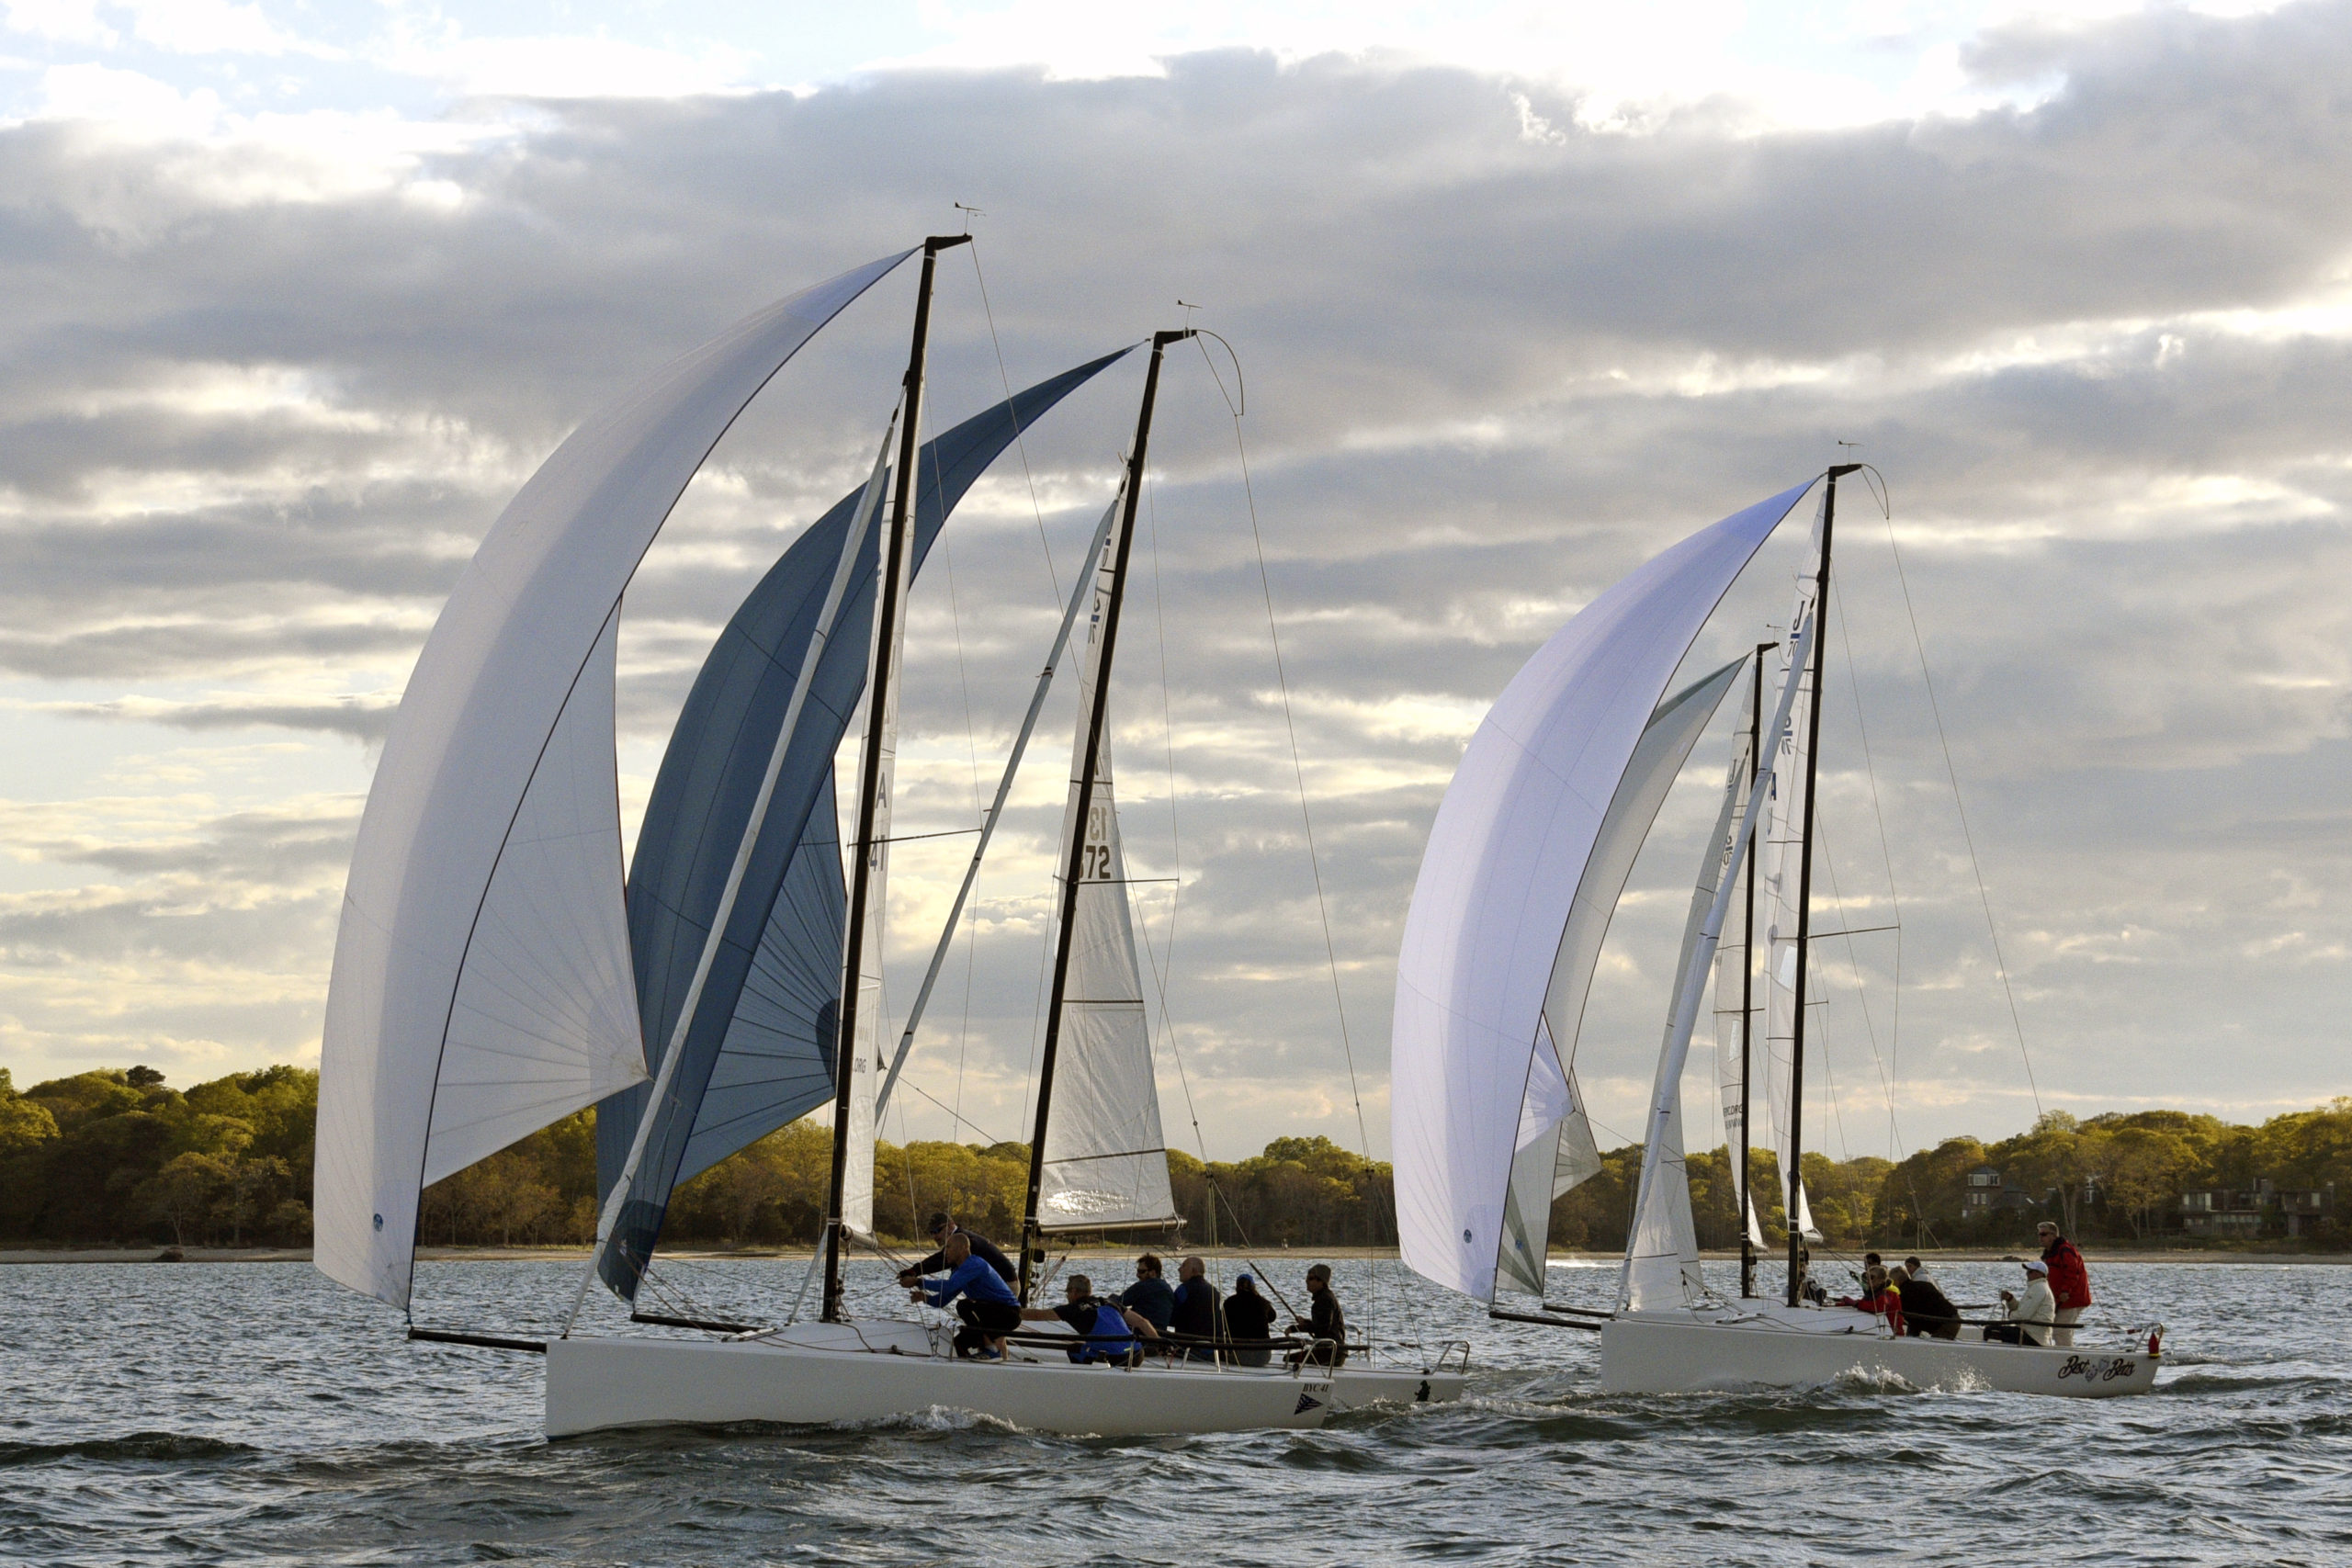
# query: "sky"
301,294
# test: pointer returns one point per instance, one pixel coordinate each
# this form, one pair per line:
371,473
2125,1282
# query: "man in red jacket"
2069,1282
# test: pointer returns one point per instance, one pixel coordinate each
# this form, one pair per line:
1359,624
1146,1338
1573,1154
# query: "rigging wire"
1290,725
2000,964
1019,445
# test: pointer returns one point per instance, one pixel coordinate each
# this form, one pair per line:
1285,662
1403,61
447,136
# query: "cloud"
270,379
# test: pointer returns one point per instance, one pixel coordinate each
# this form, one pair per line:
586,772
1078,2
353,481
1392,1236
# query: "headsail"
1106,1159
1505,856
760,1049
1783,856
1657,756
488,710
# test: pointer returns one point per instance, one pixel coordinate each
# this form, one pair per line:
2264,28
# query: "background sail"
1662,1246
1106,1159
509,654
1784,852
1732,966
1658,756
1555,1155
760,1049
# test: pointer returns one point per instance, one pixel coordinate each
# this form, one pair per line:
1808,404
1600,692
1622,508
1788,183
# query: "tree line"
118,1156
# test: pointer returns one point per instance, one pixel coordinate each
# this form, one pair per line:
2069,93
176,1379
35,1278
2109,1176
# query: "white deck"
1766,1345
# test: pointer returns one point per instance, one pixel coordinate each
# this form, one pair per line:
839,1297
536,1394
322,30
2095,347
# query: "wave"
155,1448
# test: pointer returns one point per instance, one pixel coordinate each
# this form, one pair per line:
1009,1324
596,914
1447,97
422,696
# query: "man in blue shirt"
1109,1332
988,1309
1150,1294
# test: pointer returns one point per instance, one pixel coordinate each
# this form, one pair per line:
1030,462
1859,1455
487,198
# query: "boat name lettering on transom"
2105,1371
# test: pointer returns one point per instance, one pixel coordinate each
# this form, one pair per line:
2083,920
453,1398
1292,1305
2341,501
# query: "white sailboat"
495,973
1528,855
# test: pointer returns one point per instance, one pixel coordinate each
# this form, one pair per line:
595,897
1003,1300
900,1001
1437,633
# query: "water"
247,1413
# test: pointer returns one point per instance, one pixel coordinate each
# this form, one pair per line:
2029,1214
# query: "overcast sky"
299,294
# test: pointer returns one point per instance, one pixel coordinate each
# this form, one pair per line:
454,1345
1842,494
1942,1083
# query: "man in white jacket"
2030,1315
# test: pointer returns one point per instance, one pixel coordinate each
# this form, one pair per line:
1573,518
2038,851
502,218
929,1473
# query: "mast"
1074,862
1793,1178
1747,977
889,601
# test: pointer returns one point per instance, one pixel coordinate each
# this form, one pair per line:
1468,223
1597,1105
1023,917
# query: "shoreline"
1303,1255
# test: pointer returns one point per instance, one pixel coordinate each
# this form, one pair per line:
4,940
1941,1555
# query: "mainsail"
759,1052
1506,856
1106,1160
1783,856
1657,756
1733,960
487,870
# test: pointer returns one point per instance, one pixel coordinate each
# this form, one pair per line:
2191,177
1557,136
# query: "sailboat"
1526,860
494,973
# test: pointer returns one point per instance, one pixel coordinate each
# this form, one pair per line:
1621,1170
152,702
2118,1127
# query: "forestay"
1505,856
1105,1159
759,1052
1535,1179
489,709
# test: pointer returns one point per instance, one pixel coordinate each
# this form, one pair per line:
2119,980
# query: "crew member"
1248,1317
1926,1309
2028,1316
987,1308
2070,1282
986,1251
1196,1313
1107,1333
1150,1294
1328,1324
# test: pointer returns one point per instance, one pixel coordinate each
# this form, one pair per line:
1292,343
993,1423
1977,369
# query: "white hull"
1773,1347
822,1373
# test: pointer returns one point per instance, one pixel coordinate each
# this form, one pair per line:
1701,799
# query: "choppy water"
256,1414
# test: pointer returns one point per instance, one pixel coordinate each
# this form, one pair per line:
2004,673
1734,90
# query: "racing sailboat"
1528,855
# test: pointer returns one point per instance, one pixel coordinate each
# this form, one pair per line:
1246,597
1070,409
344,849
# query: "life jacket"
1109,1340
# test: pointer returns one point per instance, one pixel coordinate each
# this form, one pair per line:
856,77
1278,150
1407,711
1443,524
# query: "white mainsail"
1506,854
1105,1159
1783,856
495,703
1665,744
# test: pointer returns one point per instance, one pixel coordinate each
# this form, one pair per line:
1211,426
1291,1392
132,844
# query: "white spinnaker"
1783,851
1509,843
544,1019
489,692
1106,1159
1662,1246
1665,744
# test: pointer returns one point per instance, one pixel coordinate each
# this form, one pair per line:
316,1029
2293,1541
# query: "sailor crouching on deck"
988,1309
1110,1333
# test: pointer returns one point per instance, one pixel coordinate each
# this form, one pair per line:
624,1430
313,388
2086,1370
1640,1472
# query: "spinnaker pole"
889,603
1793,1178
1074,863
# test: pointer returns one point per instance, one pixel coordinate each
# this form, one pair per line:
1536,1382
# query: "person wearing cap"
1248,1317
2030,1315
941,1227
1108,1333
1328,1324
2070,1282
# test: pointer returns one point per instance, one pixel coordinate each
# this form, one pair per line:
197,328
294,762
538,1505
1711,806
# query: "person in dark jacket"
2070,1282
1196,1313
1926,1309
941,1227
1111,1334
1328,1323
1150,1294
987,1308
1248,1316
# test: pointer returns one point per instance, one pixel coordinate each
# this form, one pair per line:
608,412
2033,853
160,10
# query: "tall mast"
1793,1178
897,551
1747,974
1073,864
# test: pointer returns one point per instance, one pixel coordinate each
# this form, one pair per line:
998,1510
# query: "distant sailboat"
1526,859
